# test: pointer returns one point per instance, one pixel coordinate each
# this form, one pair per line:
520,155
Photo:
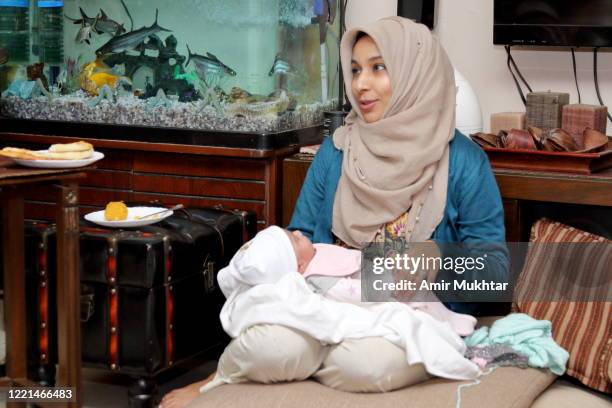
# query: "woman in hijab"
398,167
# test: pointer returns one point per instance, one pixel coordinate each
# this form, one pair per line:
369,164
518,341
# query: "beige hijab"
401,161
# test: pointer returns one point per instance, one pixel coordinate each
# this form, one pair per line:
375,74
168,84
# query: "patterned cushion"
583,328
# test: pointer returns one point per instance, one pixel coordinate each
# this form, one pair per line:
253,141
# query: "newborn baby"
335,273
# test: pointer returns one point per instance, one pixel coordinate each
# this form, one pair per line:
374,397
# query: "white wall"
360,12
465,28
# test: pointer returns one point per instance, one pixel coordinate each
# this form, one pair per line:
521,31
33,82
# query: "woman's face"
371,84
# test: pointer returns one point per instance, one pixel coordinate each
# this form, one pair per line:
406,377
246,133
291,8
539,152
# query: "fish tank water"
227,65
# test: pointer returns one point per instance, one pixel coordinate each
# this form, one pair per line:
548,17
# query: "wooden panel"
294,173
121,180
97,197
113,159
199,186
116,159
48,211
87,196
256,206
594,189
242,178
273,199
127,145
512,220
192,165
554,191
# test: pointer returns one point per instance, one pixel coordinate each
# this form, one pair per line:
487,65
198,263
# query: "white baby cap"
264,259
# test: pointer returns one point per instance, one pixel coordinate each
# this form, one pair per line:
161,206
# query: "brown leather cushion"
583,328
504,387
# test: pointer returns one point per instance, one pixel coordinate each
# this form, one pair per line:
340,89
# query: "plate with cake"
58,156
118,215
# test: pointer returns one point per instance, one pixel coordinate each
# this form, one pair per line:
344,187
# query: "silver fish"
104,24
131,40
84,34
84,20
101,24
280,67
209,64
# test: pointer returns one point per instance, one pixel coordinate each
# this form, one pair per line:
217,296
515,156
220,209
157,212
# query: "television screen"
585,23
421,11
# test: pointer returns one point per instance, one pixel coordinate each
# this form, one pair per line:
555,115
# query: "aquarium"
226,65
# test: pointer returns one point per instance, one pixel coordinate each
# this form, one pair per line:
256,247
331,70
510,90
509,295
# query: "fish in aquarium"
132,39
281,66
96,74
209,64
83,35
101,24
132,67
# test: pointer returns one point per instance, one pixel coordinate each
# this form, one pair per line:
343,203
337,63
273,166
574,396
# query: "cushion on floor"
563,394
504,387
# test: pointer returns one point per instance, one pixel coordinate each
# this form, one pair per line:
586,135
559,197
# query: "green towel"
530,337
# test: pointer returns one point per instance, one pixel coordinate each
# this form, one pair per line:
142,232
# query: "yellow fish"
96,74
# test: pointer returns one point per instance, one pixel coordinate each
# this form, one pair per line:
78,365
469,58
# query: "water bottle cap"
14,3
50,3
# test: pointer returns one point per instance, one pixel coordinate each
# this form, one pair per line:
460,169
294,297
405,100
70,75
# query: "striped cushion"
584,329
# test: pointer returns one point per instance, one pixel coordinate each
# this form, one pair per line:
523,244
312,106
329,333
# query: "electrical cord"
597,82
576,75
518,71
511,64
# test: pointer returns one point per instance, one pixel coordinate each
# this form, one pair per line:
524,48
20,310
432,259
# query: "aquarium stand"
182,136
163,167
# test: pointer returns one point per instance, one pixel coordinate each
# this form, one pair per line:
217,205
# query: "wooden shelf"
239,178
523,194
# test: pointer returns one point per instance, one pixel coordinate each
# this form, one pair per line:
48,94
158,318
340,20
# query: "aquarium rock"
133,111
159,101
26,89
104,93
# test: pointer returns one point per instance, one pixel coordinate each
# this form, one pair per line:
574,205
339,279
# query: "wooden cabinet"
581,200
248,179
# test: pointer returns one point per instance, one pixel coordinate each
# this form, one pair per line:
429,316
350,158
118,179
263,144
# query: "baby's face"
304,250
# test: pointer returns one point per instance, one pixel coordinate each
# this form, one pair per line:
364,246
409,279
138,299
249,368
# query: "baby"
335,273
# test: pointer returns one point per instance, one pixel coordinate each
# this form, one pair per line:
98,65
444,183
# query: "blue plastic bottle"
15,29
51,31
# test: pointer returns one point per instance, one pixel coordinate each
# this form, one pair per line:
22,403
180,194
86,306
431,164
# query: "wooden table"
14,183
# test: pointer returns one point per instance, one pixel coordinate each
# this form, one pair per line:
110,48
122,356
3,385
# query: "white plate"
60,164
98,217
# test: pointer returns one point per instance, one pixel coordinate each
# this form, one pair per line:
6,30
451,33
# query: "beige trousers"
274,353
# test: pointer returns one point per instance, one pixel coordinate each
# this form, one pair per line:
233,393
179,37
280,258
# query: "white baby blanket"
262,286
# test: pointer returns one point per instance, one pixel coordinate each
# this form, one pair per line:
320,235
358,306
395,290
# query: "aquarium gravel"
134,111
